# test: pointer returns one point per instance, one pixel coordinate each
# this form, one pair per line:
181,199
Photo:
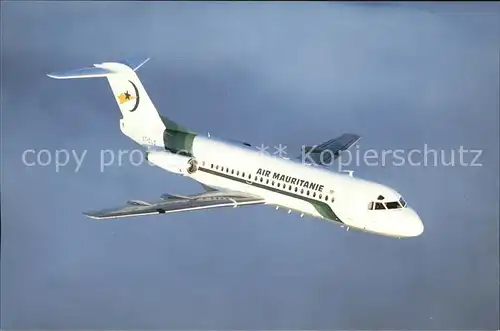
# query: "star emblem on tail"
125,97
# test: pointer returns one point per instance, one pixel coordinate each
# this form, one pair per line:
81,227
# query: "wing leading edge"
330,150
176,203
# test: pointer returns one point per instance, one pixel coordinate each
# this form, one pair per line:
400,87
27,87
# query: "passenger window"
232,171
314,194
289,187
278,185
302,191
326,197
333,199
217,167
267,181
261,179
212,166
320,195
272,183
379,206
295,189
307,193
255,178
243,174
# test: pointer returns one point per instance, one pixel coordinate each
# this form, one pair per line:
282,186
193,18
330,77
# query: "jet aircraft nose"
414,226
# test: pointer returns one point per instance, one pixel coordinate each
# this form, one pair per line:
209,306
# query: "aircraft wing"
176,203
325,152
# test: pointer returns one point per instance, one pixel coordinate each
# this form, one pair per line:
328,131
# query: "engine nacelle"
179,164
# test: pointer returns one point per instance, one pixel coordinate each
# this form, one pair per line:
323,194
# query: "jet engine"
179,164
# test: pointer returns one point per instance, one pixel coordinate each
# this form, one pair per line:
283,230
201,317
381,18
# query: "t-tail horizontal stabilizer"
100,70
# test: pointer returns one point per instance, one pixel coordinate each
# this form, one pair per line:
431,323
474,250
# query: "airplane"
234,174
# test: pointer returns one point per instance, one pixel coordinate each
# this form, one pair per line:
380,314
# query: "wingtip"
89,215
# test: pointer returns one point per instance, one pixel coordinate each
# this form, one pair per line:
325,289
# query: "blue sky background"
400,75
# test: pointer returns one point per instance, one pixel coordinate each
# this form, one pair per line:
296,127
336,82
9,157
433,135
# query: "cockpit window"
379,205
393,205
402,202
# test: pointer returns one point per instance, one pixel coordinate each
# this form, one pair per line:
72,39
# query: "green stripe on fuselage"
322,207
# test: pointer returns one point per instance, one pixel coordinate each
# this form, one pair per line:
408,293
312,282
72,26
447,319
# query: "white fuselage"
306,189
311,190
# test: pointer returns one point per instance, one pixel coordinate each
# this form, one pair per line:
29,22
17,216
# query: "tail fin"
139,116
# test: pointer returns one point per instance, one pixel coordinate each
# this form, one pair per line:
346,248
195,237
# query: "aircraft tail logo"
130,95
